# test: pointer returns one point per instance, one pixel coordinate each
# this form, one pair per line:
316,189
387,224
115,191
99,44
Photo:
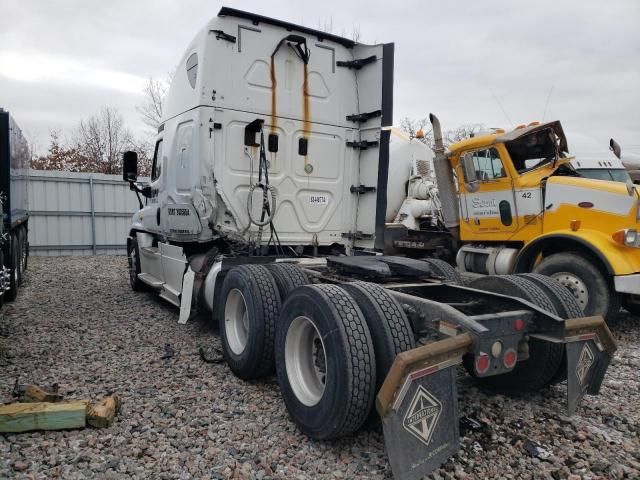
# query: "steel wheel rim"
305,361
575,285
236,321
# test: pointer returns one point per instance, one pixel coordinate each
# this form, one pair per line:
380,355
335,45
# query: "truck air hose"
268,210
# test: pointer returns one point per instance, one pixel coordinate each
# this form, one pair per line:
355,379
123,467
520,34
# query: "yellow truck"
513,203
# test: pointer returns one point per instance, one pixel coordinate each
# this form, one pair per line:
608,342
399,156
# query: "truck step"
150,280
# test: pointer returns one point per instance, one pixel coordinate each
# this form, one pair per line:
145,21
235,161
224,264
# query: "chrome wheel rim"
305,361
575,285
236,321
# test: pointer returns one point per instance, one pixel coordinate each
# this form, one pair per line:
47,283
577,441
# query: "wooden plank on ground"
33,393
24,417
101,414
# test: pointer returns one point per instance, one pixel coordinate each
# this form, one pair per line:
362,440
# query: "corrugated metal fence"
79,213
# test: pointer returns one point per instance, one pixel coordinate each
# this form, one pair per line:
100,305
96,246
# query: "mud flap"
589,347
187,294
418,404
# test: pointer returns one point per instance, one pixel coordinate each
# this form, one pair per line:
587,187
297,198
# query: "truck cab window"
156,169
192,69
533,150
486,165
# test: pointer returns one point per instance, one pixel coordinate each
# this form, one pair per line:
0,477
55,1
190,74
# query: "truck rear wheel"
631,303
287,277
250,310
325,361
14,265
566,305
443,269
545,358
390,329
24,248
584,280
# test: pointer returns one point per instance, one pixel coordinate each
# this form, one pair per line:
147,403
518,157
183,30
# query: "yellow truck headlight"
628,237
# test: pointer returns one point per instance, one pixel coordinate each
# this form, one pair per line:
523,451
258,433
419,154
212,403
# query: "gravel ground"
78,324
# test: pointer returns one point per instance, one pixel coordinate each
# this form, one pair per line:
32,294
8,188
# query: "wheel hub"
575,285
305,361
236,321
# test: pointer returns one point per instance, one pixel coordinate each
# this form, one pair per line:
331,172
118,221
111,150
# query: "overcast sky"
489,62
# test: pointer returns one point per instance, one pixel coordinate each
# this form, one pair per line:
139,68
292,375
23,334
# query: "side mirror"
470,174
471,181
130,166
615,147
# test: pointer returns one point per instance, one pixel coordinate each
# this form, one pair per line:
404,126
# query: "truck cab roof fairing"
256,19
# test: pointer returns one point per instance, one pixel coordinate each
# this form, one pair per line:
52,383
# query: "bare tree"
411,126
461,132
151,110
155,93
61,158
103,138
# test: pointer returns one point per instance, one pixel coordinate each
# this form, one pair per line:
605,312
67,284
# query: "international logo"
584,363
422,415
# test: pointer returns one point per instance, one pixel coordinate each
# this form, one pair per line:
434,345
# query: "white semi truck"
266,211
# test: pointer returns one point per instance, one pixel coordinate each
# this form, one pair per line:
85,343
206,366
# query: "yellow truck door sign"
422,415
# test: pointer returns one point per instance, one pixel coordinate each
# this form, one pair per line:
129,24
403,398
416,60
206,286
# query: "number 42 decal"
526,194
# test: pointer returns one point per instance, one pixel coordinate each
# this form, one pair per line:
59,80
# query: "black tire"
577,272
348,388
287,277
443,269
390,329
630,304
133,258
2,283
252,358
14,266
566,304
18,247
545,358
25,247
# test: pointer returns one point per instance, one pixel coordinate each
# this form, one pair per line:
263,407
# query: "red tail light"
510,358
482,363
518,325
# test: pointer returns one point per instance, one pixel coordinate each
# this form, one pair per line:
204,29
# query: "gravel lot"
78,324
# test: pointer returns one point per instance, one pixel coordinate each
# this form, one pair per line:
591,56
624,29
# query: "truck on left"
14,183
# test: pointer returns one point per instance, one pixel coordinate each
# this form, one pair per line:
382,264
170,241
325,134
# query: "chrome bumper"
627,283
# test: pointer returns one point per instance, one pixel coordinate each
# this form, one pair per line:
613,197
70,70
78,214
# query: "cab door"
487,194
151,211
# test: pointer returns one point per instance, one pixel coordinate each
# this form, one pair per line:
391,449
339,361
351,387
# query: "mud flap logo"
584,363
422,415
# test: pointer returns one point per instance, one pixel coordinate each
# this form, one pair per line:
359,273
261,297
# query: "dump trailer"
15,161
270,190
513,203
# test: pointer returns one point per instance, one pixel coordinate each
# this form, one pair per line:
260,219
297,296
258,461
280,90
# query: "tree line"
98,142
